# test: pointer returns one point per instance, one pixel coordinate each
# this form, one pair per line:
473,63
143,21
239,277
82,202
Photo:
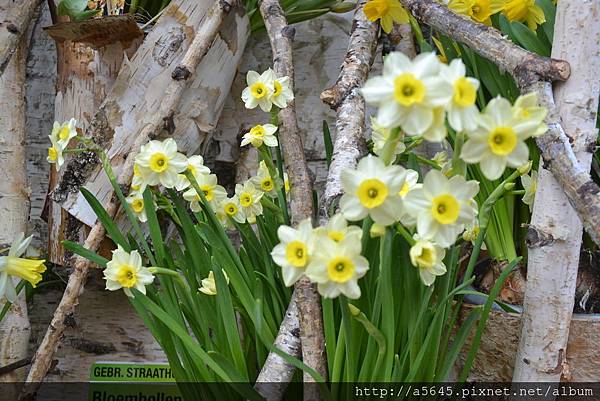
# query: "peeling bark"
555,234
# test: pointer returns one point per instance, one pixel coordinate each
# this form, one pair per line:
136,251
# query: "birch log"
14,204
555,233
305,293
137,93
204,33
84,77
15,17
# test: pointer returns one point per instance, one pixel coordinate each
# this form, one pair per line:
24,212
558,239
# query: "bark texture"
14,20
305,294
204,36
555,233
84,77
135,101
14,205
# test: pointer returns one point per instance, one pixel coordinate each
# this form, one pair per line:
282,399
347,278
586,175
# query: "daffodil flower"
372,190
263,180
209,286
62,133
499,139
260,134
408,92
462,111
13,266
337,229
259,91
478,10
213,192
160,163
249,198
525,11
410,183
282,94
442,207
229,209
55,155
294,250
387,11
336,268
136,202
195,165
125,271
529,183
428,258
526,109
381,135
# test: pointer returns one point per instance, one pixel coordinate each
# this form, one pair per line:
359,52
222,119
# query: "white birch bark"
140,86
14,203
555,234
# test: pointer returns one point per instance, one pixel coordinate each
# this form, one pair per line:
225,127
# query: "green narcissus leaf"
75,9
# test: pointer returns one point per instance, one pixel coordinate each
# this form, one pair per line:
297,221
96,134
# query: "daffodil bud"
377,230
509,186
343,7
524,169
354,311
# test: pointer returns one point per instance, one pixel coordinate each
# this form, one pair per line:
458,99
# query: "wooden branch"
553,262
14,20
305,294
533,73
202,40
349,146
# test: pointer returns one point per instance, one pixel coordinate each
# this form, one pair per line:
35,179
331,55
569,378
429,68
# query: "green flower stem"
387,153
457,165
405,234
350,346
77,150
416,28
279,156
171,273
428,162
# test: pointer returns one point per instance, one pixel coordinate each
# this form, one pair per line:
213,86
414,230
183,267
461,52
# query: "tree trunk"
14,203
555,234
139,88
84,77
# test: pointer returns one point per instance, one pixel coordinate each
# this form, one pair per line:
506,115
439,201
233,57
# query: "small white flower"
195,165
437,130
337,229
336,267
380,136
442,207
249,198
410,183
372,190
213,192
428,258
13,266
125,271
408,92
530,186
263,180
462,111
136,202
260,134
209,286
499,139
229,209
293,251
160,163
63,133
282,94
526,108
55,156
259,90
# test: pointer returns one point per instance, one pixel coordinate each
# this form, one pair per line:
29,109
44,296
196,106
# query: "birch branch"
555,233
202,41
532,73
305,296
349,146
14,20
